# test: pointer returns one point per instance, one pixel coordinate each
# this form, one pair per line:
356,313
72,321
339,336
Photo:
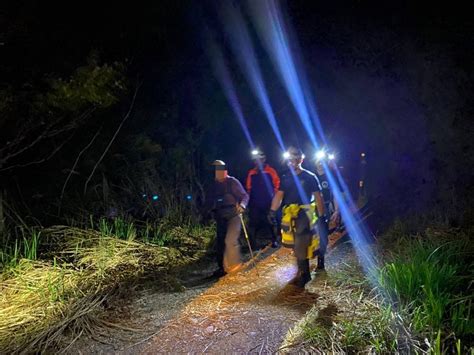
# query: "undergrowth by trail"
421,299
56,280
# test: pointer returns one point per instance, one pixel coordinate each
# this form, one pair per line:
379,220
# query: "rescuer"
330,203
300,195
262,183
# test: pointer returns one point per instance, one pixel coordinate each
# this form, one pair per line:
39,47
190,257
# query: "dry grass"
41,301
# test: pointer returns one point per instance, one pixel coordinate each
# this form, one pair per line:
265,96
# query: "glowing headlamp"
255,152
331,156
320,154
286,155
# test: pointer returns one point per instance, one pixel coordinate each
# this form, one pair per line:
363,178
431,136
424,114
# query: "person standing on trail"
262,183
227,199
300,195
330,203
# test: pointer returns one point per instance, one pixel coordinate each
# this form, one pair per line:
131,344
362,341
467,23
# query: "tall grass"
24,246
52,278
429,278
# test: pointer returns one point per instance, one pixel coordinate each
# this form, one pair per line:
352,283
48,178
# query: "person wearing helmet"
262,183
226,198
330,203
300,194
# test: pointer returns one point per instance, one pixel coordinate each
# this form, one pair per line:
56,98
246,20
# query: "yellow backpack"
290,213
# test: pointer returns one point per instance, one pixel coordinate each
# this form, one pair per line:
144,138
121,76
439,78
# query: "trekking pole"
248,242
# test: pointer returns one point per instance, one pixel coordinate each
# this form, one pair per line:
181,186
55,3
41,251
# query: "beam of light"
223,76
272,30
243,49
358,232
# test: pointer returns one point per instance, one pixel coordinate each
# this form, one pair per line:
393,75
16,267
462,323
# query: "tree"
38,120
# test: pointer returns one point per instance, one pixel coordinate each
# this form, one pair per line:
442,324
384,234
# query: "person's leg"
323,232
303,237
232,247
221,229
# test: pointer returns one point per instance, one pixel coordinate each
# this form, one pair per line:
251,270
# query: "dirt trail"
248,312
242,313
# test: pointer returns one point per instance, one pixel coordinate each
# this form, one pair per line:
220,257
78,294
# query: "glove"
271,217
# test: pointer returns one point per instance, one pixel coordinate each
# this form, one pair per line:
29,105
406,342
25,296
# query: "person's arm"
319,203
248,182
239,193
275,178
276,201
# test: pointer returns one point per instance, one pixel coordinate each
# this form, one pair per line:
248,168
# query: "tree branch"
74,167
47,133
55,150
113,138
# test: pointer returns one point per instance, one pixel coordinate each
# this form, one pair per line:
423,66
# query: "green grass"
429,277
423,296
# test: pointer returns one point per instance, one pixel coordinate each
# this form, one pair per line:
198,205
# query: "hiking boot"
320,263
219,273
303,276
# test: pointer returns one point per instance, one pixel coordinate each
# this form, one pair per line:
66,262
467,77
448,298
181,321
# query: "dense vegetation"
421,298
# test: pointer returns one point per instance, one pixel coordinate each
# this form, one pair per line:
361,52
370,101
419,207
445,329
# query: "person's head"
295,158
258,158
319,167
324,157
220,170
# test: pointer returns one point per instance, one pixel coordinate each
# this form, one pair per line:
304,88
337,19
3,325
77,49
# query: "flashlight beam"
245,53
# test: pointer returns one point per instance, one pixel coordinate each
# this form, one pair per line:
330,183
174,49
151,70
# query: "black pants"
258,221
323,232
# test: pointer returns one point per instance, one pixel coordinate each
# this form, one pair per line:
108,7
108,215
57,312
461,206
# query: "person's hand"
240,209
271,217
335,220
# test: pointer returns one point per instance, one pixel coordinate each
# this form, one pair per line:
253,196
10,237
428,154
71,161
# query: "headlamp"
320,154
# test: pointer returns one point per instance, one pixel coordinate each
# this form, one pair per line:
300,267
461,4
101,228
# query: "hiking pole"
248,242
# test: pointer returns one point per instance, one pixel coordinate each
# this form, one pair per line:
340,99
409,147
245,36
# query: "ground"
250,311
